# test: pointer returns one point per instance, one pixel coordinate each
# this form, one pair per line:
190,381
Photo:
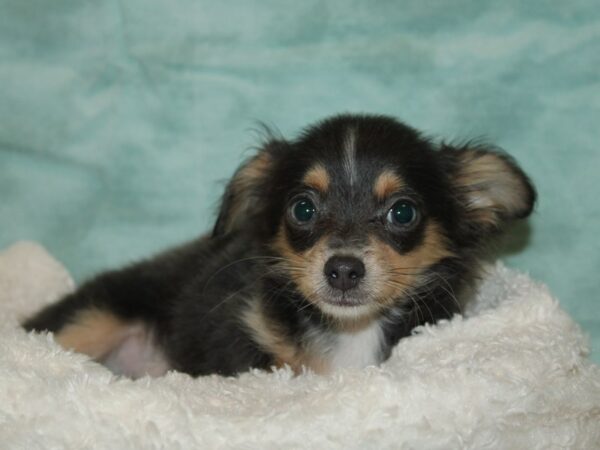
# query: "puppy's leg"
121,317
91,330
113,330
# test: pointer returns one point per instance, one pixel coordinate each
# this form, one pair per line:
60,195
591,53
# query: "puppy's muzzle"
344,272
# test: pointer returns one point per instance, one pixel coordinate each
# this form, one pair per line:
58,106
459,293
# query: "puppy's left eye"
402,213
303,210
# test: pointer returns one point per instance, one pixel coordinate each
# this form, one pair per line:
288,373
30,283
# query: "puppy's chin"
347,305
347,312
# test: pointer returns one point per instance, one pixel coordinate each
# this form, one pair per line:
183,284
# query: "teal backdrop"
120,120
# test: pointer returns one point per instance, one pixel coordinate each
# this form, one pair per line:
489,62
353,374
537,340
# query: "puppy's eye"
303,210
402,213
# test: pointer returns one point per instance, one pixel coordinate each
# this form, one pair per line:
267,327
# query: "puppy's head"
362,210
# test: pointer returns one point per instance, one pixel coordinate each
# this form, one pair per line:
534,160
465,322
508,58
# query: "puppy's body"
327,250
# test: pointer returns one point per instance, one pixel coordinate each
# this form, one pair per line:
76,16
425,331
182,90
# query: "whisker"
252,258
450,292
428,287
260,277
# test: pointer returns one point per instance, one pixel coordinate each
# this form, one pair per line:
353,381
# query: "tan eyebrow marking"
317,178
386,184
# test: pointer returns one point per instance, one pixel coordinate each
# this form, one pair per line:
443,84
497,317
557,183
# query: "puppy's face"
362,210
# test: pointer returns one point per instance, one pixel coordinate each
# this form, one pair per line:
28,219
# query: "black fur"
193,297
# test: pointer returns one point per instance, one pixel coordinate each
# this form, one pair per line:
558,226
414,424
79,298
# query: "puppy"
327,250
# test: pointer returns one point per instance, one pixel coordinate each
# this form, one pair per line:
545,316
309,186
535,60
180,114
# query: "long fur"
264,289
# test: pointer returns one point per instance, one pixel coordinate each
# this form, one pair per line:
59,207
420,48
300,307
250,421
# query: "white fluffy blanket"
511,374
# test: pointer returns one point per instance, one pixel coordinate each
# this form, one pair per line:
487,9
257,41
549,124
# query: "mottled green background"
119,120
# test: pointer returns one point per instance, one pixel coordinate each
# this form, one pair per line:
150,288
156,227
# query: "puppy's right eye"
303,210
402,213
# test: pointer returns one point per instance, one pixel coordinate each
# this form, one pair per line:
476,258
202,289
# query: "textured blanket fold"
511,373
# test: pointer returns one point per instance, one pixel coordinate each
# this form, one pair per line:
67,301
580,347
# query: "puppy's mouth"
350,304
348,299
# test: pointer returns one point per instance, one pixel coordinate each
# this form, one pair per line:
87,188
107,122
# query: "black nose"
344,272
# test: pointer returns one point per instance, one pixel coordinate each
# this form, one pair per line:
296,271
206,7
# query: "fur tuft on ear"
490,185
245,193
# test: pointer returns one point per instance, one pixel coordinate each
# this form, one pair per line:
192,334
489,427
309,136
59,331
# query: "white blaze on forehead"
350,154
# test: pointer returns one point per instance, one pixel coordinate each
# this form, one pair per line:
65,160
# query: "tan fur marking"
317,178
306,270
386,184
93,332
400,272
243,184
490,185
299,264
271,336
389,274
254,170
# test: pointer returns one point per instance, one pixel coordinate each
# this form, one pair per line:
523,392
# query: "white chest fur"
357,349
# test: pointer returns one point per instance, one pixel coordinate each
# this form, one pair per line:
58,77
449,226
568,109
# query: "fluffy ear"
245,195
490,186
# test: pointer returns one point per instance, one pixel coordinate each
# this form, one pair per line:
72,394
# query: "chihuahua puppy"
327,250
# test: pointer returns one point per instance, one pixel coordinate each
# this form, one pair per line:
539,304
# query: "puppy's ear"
246,194
490,186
